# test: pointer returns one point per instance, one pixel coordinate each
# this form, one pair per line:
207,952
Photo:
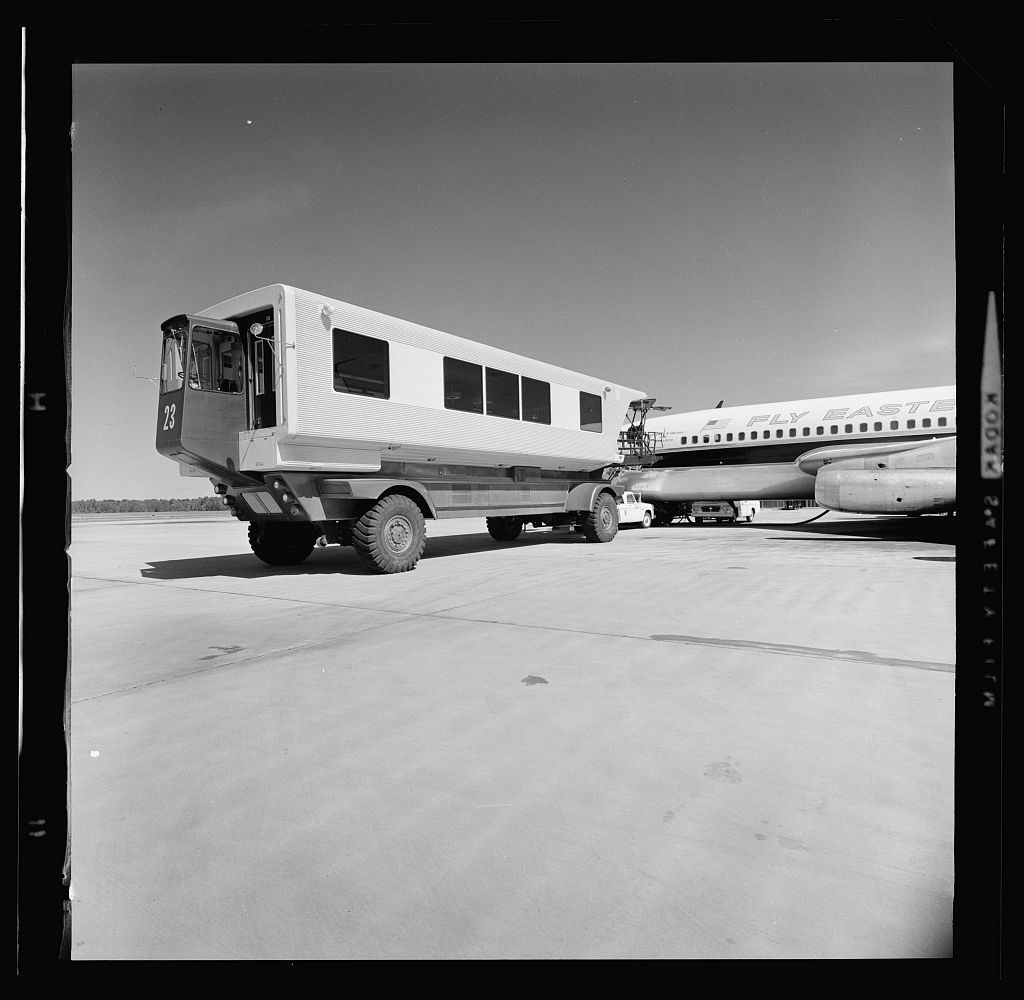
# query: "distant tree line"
144,506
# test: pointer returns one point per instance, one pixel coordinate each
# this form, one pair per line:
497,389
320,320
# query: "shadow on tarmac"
934,528
335,559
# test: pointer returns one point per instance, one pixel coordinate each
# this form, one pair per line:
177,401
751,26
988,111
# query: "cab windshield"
215,360
172,365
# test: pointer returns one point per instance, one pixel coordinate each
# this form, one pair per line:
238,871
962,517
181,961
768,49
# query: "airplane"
888,452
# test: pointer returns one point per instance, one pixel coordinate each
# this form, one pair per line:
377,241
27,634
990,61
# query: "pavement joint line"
444,614
242,660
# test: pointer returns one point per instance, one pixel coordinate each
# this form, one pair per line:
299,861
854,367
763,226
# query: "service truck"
318,422
724,510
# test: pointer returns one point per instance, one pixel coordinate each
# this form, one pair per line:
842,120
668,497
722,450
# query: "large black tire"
281,544
390,536
504,529
602,523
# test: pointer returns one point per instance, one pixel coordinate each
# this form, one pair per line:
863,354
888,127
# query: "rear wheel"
504,529
602,523
646,523
391,535
279,544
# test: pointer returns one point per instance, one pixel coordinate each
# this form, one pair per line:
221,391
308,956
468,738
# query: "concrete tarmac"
717,741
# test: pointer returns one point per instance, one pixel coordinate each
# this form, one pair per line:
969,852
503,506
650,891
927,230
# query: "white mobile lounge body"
879,453
321,422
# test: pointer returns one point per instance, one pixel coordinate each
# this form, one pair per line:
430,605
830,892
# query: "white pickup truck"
632,510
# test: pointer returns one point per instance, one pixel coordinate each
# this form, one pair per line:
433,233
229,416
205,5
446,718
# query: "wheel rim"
398,534
606,517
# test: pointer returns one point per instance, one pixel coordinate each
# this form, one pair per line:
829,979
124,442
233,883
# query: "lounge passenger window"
536,401
463,386
590,412
361,365
502,394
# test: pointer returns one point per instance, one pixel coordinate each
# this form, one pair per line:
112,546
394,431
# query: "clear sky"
697,231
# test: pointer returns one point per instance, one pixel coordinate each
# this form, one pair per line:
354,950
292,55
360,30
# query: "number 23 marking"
169,416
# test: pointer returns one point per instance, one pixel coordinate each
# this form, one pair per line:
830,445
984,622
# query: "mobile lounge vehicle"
322,422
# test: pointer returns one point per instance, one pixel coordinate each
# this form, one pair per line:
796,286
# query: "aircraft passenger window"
834,429
502,394
706,439
807,432
792,432
894,425
848,429
693,440
536,401
878,425
926,422
718,437
463,386
361,365
742,436
942,421
911,424
590,412
863,428
728,437
778,433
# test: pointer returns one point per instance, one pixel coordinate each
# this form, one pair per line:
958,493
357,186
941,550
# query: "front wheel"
391,535
504,529
280,544
646,523
602,523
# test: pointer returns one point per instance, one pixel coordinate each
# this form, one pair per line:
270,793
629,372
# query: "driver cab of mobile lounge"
217,378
